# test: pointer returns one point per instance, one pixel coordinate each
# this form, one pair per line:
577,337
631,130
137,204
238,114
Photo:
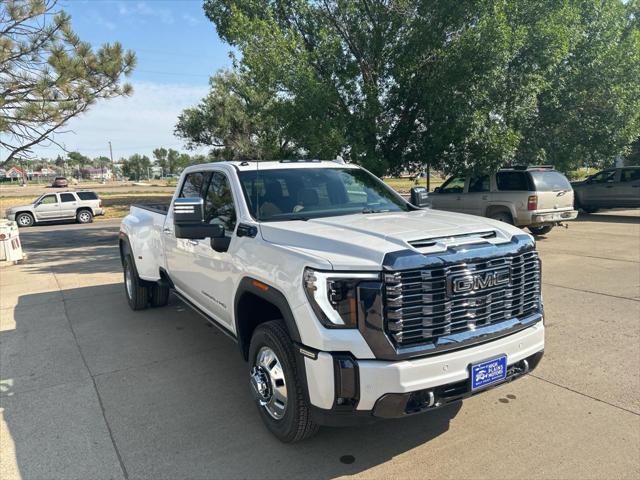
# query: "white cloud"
143,9
190,19
135,124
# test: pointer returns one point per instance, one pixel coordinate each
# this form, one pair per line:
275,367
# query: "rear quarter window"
87,195
550,181
513,182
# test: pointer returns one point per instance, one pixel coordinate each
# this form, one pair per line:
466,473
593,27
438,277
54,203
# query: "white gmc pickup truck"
348,303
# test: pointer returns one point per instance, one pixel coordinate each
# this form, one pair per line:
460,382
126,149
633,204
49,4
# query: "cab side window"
479,184
512,182
194,185
67,197
48,200
603,177
630,174
453,185
218,203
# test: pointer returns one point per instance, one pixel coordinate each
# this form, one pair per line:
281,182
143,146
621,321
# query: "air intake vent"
430,242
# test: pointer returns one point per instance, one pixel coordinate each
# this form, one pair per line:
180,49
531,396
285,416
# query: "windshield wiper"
371,210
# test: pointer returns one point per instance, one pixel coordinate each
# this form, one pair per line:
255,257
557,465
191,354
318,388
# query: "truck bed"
161,208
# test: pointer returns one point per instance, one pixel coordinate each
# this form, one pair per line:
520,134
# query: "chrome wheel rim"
84,217
269,384
24,220
128,281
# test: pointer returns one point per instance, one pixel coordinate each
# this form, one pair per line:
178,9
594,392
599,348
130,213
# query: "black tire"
137,293
84,216
158,296
502,217
25,220
295,424
540,230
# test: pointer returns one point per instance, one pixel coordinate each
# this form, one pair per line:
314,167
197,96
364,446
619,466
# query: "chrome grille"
422,307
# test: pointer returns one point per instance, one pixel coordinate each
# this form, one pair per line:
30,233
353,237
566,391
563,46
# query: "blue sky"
177,48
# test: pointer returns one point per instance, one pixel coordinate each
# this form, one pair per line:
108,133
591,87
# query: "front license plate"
488,372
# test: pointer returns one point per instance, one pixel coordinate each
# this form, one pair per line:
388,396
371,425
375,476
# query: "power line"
156,72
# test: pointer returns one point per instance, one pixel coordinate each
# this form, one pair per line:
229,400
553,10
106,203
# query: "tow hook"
565,225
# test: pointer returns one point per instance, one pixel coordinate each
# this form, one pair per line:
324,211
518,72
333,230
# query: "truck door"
180,252
598,192
475,201
449,195
629,194
47,208
213,268
68,205
199,272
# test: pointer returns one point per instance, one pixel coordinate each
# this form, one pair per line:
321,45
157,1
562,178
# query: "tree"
160,156
48,75
633,157
238,119
590,114
136,166
466,86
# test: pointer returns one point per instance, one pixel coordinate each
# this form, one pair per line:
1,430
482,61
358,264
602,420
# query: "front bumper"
554,217
368,389
11,217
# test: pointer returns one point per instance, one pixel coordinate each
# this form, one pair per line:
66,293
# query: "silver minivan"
81,206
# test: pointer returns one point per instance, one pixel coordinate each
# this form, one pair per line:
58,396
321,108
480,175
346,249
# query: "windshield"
302,193
550,181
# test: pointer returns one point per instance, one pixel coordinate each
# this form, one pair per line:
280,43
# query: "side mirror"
420,197
188,220
437,190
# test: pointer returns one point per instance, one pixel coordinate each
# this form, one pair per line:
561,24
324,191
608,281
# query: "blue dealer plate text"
488,372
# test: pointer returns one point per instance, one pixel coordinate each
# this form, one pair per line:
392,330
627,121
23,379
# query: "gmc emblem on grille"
479,281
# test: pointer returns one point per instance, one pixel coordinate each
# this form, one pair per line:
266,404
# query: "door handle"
484,197
193,242
609,186
167,231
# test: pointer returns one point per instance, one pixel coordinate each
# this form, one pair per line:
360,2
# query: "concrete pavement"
90,389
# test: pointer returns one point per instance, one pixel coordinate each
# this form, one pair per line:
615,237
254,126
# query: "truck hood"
17,208
361,241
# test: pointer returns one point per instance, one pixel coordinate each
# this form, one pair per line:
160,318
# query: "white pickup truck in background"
348,303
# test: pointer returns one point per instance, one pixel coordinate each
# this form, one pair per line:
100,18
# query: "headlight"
333,296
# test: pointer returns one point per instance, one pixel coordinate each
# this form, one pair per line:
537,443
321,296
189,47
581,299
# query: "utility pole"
113,167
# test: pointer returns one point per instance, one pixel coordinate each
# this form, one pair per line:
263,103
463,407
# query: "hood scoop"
444,242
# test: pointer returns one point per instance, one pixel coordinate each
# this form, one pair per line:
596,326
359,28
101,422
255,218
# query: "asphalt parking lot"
90,389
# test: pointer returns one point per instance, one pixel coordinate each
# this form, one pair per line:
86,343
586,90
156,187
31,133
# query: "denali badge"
479,281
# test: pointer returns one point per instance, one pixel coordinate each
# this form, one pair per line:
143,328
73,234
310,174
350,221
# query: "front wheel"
540,230
24,220
276,386
84,216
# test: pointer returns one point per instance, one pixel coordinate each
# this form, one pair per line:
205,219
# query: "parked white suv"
81,206
348,303
534,197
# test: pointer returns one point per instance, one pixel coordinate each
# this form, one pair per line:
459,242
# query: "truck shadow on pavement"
92,389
